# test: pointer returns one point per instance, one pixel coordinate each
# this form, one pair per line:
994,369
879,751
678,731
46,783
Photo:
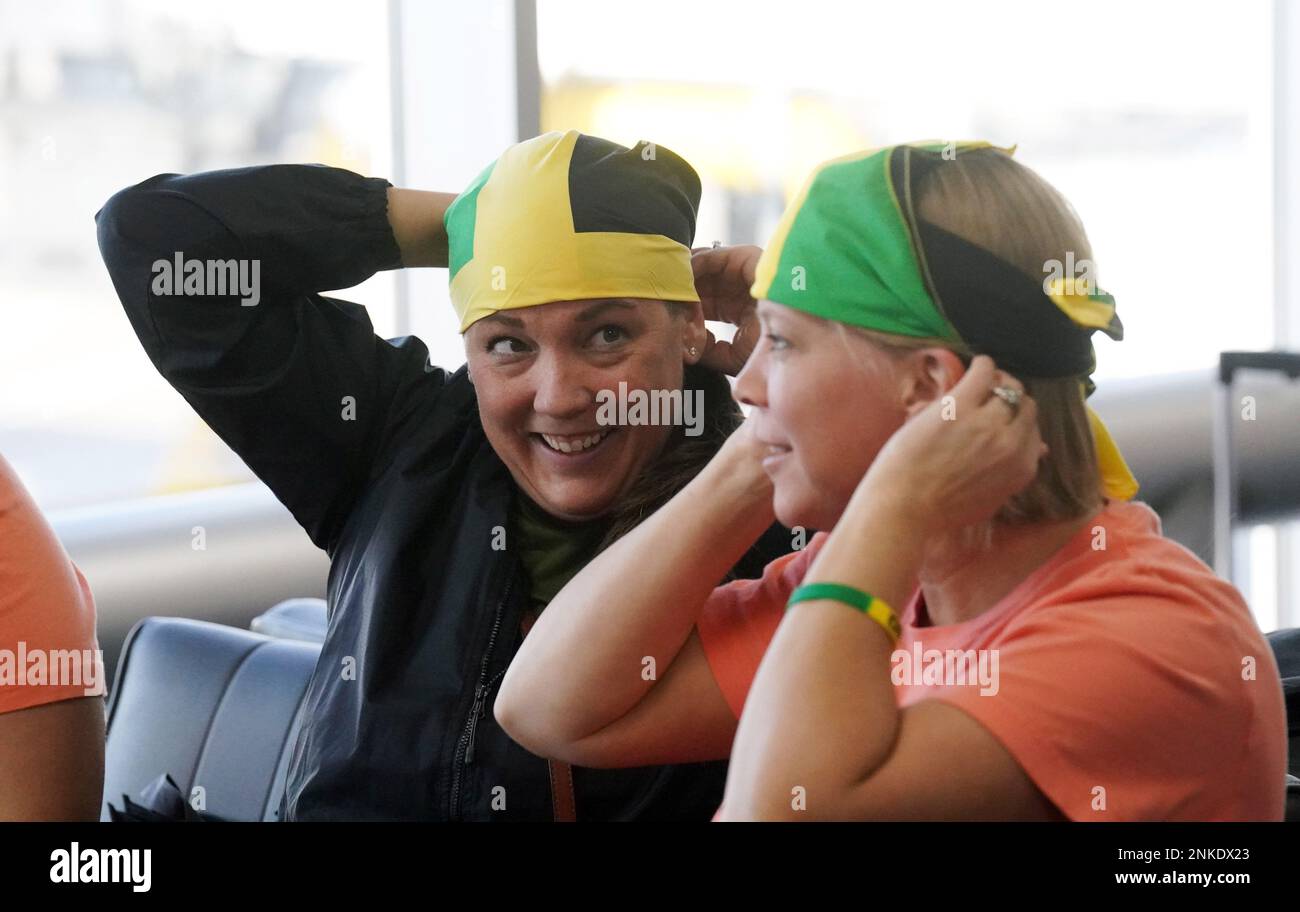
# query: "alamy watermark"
945,668
1075,277
25,667
654,407
75,865
202,278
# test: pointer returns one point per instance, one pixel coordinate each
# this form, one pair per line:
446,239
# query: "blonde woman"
989,628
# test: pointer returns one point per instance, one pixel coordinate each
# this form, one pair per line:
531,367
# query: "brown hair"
682,457
991,200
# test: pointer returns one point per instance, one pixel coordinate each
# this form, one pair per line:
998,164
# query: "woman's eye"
609,336
777,342
506,345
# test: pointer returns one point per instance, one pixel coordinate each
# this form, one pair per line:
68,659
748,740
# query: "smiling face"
825,402
537,372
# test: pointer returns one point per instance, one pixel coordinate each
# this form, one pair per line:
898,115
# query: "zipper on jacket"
478,711
465,746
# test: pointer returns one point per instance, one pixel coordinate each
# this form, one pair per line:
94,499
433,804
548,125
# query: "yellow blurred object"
745,139
1117,480
1078,301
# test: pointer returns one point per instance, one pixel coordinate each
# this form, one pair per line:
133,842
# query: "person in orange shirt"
51,671
1052,655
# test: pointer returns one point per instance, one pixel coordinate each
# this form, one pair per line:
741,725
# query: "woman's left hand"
958,459
723,276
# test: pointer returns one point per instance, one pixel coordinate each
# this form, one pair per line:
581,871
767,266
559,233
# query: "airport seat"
212,706
217,707
1286,649
294,619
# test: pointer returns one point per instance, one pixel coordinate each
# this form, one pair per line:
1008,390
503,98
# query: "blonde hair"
991,200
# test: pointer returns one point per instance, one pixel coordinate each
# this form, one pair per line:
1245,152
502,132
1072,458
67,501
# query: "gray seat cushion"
215,707
294,619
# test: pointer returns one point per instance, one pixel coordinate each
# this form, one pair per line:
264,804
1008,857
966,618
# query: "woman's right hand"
958,459
738,466
723,276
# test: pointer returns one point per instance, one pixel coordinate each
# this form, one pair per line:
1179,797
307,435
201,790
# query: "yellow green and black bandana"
567,216
851,247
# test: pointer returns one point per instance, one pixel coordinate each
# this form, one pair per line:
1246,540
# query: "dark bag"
161,801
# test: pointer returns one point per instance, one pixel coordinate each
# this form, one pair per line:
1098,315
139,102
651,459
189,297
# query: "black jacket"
403,496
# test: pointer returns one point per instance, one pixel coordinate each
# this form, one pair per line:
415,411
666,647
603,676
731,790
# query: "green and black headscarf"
851,247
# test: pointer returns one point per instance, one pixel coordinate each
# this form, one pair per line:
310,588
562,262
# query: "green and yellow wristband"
876,609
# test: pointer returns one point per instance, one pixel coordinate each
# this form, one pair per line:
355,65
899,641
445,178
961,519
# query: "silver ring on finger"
1010,396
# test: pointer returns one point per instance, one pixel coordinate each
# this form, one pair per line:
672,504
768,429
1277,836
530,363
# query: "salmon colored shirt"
1131,682
48,648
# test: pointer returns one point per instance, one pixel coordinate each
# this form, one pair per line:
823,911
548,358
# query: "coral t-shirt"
48,648
1127,680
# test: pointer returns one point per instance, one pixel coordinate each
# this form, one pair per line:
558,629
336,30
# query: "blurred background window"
95,97
1154,121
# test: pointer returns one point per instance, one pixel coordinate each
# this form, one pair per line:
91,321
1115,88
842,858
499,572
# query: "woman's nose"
563,388
751,383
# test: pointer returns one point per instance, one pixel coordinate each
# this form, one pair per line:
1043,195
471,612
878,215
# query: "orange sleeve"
1136,708
740,618
48,648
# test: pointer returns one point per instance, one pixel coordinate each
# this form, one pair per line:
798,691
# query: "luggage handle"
1225,470
1279,362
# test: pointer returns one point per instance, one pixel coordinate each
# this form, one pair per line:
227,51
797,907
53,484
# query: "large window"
1155,119
95,97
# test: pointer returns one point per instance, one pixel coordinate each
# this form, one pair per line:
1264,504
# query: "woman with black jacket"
452,505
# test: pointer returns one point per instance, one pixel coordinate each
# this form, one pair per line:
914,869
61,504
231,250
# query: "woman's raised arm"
416,218
221,274
611,674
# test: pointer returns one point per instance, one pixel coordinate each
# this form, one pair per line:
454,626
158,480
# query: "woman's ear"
929,374
695,335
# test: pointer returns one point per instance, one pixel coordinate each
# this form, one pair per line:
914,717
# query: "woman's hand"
739,463
723,276
958,459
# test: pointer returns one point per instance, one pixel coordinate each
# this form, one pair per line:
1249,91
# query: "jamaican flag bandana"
851,247
567,216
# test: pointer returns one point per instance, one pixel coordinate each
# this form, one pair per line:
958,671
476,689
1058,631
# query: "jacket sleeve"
296,383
